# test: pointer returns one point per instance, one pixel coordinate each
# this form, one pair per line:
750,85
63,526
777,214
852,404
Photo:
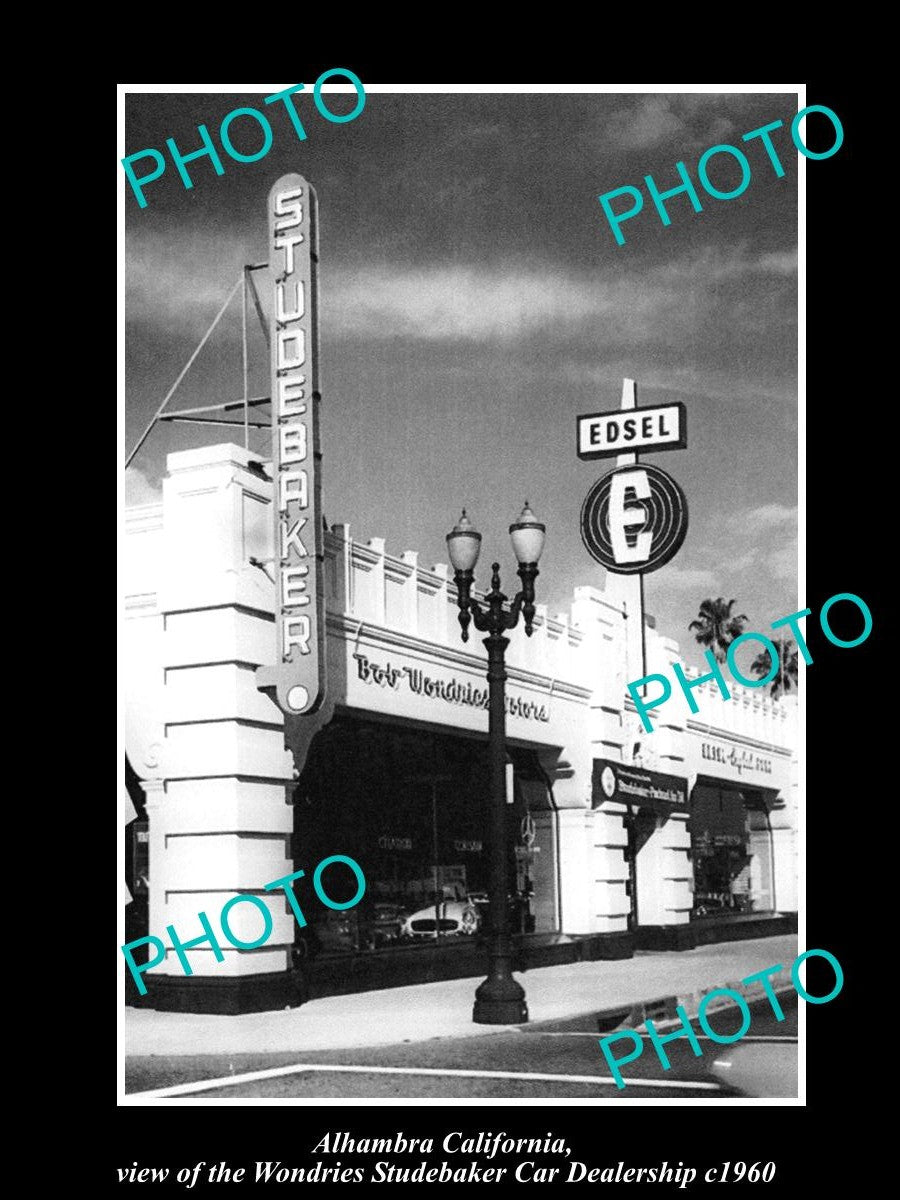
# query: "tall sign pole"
626,582
297,679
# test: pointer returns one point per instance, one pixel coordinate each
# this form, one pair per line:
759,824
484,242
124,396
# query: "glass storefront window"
409,805
731,852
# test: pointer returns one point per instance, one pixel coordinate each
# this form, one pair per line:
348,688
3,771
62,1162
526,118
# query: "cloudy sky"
474,300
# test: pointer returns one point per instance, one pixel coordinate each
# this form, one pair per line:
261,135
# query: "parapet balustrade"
396,592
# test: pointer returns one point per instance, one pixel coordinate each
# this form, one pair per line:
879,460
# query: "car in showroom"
366,927
444,918
387,926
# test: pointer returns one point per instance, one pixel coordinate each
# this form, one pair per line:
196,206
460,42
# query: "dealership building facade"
617,839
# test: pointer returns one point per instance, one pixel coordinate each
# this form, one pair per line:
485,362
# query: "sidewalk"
444,1010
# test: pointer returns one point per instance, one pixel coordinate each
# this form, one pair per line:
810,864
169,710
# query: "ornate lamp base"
500,1002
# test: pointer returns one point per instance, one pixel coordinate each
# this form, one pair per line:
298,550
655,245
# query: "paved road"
554,1059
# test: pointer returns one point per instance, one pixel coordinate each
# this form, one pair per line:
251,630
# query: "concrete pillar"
664,874
432,603
784,852
670,721
338,596
538,645
557,647
368,580
400,590
575,871
443,601
610,870
222,826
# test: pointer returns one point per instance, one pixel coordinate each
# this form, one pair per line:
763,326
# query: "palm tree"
717,627
786,676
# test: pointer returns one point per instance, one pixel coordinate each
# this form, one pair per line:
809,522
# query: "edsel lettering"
627,429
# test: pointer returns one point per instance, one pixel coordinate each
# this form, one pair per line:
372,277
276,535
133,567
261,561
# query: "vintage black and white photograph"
463,644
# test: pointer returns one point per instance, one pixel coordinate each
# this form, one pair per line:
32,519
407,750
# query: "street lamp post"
500,999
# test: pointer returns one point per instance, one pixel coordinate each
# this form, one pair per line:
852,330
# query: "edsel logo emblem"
634,519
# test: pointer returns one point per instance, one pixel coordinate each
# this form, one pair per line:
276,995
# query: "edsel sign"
634,785
298,677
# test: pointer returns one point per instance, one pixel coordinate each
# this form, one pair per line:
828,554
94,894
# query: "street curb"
663,1009
583,998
